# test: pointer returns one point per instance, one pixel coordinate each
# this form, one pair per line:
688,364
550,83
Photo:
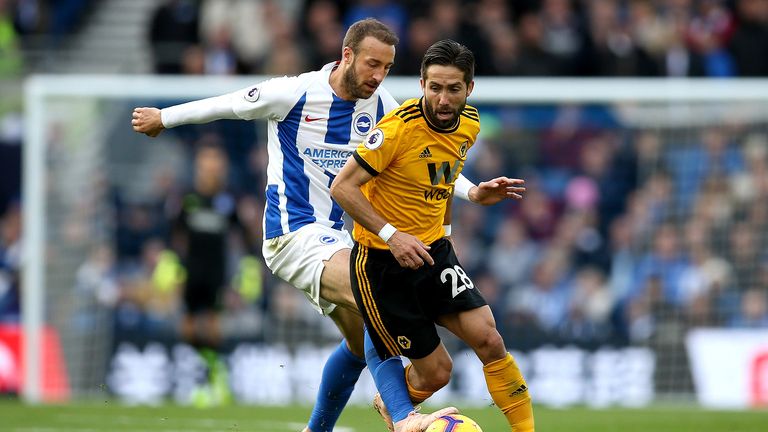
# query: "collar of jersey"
327,70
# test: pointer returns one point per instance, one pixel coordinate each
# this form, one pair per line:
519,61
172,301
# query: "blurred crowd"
676,38
623,232
35,24
624,235
685,38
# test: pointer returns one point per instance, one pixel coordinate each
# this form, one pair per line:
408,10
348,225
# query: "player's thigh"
335,285
433,371
350,324
450,290
386,294
300,258
477,328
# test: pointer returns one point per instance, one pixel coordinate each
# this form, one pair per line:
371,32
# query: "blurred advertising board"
729,367
263,374
54,374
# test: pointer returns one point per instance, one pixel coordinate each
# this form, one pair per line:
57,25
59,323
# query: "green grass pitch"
108,416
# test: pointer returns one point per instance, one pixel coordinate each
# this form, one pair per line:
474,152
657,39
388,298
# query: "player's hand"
496,190
147,121
409,251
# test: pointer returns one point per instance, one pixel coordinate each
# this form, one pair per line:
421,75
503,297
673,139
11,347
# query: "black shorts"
400,305
202,297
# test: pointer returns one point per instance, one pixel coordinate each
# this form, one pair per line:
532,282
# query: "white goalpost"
69,124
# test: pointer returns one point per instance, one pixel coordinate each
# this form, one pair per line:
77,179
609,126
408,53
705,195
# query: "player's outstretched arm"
147,120
496,190
151,121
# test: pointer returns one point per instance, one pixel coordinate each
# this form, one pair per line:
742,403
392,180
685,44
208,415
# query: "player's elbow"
336,190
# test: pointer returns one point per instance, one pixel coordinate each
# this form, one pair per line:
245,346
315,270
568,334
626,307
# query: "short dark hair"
369,27
448,52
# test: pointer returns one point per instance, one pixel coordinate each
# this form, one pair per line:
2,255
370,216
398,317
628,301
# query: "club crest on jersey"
463,149
328,239
252,95
362,124
404,342
374,140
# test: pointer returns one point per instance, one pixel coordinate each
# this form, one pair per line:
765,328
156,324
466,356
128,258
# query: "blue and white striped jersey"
311,134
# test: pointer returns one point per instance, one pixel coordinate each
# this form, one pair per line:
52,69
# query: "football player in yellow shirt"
405,274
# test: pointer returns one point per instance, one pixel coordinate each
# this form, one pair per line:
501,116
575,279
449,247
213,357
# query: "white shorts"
297,258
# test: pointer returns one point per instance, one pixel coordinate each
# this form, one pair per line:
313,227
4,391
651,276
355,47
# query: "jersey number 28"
454,274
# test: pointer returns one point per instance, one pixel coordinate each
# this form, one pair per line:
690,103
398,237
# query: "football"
454,423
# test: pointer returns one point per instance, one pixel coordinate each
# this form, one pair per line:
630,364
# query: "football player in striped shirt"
315,121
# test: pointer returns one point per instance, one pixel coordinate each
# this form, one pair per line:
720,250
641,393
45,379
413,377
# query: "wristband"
386,232
447,229
461,187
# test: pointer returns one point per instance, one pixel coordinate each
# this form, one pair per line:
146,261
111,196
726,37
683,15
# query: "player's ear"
347,55
421,83
470,87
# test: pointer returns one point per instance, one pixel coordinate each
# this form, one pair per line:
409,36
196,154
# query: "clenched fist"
147,120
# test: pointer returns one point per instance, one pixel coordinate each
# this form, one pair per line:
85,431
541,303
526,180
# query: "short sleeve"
273,98
381,146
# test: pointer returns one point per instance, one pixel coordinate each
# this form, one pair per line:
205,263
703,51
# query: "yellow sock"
417,396
510,393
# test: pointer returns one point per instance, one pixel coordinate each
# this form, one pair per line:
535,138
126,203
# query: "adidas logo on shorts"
425,154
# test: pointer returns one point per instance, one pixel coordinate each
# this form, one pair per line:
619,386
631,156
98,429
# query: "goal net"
635,264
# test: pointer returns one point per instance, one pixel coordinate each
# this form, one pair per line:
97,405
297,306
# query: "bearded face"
358,87
445,95
368,68
444,116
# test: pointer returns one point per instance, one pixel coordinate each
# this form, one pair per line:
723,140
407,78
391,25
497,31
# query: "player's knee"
351,327
438,380
490,346
442,379
439,376
356,347
340,296
348,300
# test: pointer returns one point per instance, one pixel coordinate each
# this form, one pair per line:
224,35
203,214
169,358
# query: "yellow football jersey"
414,165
